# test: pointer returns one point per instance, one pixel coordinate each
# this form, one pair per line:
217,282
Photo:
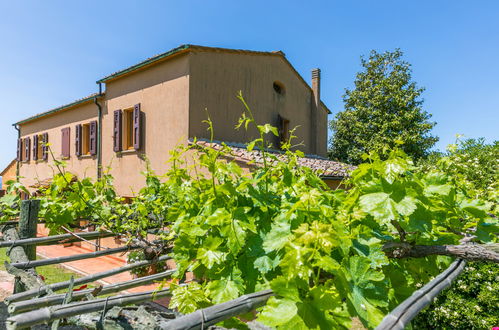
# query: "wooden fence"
35,302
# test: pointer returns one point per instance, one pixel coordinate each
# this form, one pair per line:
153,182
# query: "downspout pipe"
99,133
17,161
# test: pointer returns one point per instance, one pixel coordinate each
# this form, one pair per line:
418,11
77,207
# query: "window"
37,146
39,149
86,139
45,147
279,88
65,140
127,131
85,145
27,147
283,127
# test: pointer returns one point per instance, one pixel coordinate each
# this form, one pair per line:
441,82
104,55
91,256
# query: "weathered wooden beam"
470,252
24,279
29,280
82,280
203,318
10,222
16,254
27,224
56,239
59,260
49,314
27,305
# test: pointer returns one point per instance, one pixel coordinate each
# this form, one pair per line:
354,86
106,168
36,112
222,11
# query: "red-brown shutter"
93,138
78,140
137,127
27,148
65,132
45,148
280,124
19,150
35,147
117,131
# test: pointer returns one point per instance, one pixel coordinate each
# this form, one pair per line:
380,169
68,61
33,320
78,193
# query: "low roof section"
8,167
325,168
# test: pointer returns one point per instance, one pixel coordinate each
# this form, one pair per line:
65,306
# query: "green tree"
383,110
471,302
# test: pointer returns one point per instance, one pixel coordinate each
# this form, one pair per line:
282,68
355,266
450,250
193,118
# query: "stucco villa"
8,174
145,110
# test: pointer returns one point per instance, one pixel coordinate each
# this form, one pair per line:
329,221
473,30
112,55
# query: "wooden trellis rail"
27,305
82,280
34,302
56,239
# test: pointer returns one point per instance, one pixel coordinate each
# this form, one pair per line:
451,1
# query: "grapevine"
328,255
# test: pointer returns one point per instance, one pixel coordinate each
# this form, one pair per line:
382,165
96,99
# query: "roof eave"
59,109
189,47
333,177
146,63
7,167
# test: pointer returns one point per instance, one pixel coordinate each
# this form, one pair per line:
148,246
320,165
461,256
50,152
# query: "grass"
52,274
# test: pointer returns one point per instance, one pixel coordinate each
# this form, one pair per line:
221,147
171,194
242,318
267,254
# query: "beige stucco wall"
8,174
322,132
162,91
173,95
216,78
86,166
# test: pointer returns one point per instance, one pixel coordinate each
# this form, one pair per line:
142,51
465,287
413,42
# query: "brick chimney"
316,86
315,106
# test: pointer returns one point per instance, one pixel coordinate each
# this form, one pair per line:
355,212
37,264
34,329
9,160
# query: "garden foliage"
382,112
472,302
280,227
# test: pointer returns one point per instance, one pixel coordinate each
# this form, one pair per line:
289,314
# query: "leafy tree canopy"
328,255
473,161
471,302
383,110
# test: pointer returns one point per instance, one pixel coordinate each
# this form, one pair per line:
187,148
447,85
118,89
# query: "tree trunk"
472,252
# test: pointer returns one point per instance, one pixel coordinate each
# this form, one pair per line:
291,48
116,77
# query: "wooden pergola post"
28,219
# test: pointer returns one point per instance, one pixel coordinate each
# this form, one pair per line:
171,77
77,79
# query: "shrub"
471,302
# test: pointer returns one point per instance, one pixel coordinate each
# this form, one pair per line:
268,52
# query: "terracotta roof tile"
323,166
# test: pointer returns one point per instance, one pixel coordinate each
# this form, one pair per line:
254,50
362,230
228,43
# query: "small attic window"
279,88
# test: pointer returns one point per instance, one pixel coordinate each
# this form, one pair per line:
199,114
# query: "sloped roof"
323,166
187,48
12,163
159,58
86,99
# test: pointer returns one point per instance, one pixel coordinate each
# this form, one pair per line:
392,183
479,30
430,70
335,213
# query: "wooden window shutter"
117,131
45,148
93,138
280,128
78,140
65,142
35,147
27,147
283,129
137,127
19,150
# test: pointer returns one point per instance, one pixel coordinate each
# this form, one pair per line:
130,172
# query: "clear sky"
52,52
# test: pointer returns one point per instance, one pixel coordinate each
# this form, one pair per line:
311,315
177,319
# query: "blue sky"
52,52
